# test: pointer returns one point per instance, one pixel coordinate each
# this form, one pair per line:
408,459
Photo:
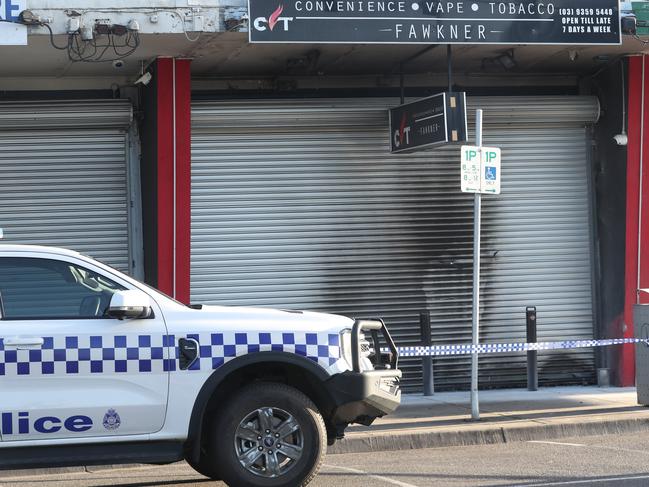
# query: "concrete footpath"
506,416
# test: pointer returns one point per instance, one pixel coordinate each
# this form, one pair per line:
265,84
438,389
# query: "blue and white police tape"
468,349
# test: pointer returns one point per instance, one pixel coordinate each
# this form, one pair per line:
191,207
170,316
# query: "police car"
98,368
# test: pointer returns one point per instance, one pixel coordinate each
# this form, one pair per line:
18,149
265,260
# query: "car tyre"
269,435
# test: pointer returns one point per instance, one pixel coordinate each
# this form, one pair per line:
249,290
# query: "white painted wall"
153,17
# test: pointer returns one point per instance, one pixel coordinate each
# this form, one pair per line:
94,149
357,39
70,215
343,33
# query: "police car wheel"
269,435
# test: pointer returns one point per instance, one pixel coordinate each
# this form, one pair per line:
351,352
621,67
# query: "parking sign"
480,169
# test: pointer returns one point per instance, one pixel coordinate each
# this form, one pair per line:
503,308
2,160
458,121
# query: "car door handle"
17,342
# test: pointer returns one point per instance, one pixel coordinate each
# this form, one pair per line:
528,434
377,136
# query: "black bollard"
426,361
532,355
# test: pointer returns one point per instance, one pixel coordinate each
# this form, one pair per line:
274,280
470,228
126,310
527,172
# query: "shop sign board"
480,172
11,32
559,22
425,123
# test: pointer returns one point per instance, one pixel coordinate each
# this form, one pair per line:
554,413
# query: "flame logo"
402,127
272,20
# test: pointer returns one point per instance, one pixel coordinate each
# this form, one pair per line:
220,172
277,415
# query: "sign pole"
479,173
477,214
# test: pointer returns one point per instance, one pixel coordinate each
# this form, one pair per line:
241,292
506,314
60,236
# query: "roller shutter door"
64,177
300,205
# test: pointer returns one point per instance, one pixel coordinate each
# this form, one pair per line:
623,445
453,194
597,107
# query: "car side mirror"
130,304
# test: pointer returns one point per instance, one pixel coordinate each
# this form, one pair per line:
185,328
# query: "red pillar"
637,207
173,138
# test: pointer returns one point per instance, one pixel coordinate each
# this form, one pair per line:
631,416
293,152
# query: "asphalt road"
600,461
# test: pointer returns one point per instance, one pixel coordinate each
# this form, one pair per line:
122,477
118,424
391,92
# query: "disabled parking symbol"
490,173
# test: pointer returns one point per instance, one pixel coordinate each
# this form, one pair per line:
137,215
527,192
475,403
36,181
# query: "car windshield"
139,282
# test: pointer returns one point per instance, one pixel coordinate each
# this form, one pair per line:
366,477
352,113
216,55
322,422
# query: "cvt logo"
263,23
402,134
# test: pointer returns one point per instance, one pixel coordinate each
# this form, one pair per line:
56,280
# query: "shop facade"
277,188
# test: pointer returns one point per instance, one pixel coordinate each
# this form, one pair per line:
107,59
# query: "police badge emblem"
112,420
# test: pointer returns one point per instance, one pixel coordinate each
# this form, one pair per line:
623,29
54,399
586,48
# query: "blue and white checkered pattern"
88,355
219,348
468,349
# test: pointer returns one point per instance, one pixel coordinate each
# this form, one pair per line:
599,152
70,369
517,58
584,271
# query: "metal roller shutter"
63,176
65,114
299,204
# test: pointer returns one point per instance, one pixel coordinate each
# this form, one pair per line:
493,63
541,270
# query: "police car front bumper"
361,397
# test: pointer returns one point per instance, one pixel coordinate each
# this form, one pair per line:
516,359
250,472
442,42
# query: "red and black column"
166,176
637,208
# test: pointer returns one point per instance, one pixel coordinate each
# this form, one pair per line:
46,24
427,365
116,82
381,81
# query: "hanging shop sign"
11,32
421,124
564,22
